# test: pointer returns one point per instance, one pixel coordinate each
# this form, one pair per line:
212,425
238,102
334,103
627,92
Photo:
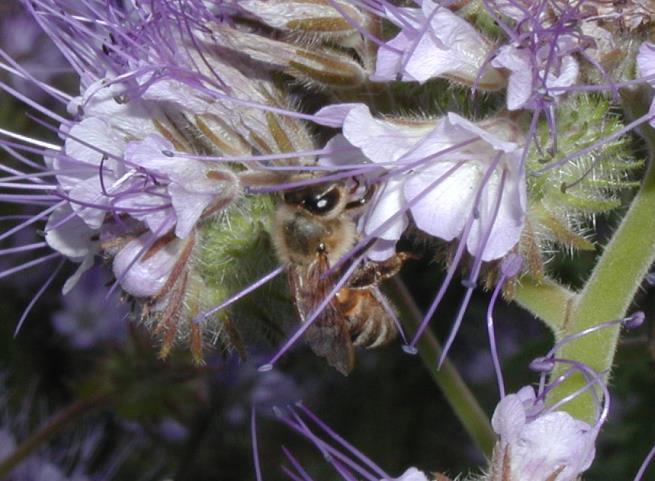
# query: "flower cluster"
215,145
182,130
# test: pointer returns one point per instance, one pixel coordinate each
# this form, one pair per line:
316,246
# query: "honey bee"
313,228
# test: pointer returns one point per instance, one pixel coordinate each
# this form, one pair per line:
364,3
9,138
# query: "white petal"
442,208
491,139
145,277
341,152
389,61
390,202
507,226
87,263
381,250
90,140
411,474
551,441
89,192
67,234
519,88
509,418
568,75
646,61
129,119
450,46
381,141
334,115
188,207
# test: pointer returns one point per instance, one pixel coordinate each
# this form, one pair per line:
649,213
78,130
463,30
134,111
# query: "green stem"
547,300
457,393
610,289
53,426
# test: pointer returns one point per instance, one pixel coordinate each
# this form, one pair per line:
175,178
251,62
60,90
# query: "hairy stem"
457,393
53,426
613,283
547,300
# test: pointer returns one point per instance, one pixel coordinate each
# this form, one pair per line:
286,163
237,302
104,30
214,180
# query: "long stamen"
255,449
312,317
511,266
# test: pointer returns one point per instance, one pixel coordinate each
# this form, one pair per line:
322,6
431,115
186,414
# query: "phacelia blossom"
458,180
536,439
532,73
435,42
551,446
142,167
182,142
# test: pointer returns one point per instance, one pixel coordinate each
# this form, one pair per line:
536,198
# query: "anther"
265,367
635,320
542,364
410,349
168,153
469,284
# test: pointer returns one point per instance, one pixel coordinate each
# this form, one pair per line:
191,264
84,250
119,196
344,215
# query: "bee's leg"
371,274
364,199
368,323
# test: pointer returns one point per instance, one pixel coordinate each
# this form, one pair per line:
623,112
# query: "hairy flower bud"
333,21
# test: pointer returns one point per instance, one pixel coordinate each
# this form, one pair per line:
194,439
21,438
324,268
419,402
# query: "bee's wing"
328,336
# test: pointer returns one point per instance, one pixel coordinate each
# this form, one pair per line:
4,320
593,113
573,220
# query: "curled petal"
411,474
436,42
143,266
646,62
381,141
68,234
391,202
519,88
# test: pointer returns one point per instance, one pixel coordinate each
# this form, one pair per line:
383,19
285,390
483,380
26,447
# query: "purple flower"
88,317
532,73
435,42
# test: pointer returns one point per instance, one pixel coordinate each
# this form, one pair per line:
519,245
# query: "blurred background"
174,420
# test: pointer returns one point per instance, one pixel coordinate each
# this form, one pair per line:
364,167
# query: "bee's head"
329,200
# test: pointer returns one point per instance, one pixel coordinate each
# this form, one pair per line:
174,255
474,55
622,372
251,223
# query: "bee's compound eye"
323,203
